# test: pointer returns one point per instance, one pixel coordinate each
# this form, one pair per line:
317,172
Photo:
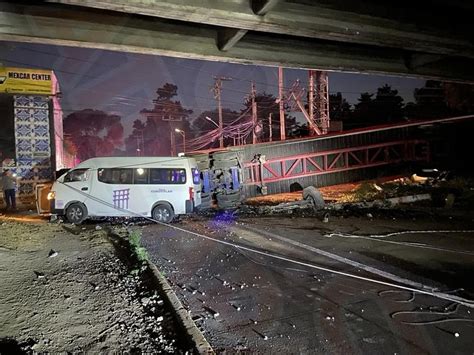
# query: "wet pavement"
298,285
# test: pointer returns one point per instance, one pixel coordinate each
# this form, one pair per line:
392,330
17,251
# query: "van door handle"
85,189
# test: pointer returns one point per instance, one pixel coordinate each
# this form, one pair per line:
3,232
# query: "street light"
211,120
177,130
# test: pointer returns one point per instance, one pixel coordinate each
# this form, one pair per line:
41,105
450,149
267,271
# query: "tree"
363,114
135,141
430,101
161,121
339,108
388,105
93,132
459,98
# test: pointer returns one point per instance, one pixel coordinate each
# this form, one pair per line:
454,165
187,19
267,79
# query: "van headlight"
51,195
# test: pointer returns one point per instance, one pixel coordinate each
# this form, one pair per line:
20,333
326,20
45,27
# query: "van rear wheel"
163,213
76,213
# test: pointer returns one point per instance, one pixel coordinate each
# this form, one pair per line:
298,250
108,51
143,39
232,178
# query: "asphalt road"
298,285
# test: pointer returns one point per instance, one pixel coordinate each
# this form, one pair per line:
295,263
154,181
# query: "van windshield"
76,175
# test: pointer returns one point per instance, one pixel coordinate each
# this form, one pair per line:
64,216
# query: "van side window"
76,175
196,176
115,176
167,176
140,176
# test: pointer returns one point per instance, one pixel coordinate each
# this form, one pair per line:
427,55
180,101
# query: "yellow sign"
26,81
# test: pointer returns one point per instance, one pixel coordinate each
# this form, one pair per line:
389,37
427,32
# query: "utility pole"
217,95
270,130
172,143
254,112
180,131
140,150
138,146
280,103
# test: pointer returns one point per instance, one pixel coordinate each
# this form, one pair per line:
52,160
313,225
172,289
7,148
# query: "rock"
52,253
326,218
377,187
98,228
39,275
449,201
145,301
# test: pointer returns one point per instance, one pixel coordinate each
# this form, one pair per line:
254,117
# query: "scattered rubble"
87,299
434,190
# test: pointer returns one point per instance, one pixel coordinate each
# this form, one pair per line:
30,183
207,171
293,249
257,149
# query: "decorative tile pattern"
24,130
41,130
41,145
26,188
36,102
23,115
40,102
33,142
44,174
40,115
24,145
24,158
22,101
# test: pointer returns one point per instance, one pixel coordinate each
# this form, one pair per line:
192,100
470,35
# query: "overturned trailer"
235,173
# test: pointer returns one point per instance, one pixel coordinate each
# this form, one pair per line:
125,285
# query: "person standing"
8,186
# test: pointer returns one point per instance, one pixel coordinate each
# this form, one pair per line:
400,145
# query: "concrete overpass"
418,38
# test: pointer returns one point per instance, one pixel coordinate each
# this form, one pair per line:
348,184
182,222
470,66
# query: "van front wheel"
76,213
163,213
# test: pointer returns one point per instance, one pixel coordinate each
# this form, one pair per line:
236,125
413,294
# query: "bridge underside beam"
417,27
93,28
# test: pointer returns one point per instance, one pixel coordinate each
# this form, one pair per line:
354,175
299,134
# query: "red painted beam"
394,152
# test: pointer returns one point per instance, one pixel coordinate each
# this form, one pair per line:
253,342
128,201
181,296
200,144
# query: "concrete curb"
202,345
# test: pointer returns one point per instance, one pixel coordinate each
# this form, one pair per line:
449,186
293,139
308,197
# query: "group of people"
9,189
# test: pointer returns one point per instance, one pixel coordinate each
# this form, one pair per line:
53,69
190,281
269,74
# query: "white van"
156,187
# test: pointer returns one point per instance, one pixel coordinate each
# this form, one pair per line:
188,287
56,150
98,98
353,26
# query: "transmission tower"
317,112
321,99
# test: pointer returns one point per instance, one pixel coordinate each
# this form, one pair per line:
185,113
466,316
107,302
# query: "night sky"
125,83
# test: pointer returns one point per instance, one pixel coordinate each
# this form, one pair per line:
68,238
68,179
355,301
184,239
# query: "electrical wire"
429,313
380,239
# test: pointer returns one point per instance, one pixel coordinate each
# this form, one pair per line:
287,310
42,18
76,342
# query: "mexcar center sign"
25,81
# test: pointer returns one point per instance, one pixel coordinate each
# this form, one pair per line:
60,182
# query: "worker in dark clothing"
8,186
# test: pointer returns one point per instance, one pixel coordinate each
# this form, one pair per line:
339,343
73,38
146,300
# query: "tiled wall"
33,143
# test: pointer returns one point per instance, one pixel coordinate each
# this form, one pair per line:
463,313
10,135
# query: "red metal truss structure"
331,161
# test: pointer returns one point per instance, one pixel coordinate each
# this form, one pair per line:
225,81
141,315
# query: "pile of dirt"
66,290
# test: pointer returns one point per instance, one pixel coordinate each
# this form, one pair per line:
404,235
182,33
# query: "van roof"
113,162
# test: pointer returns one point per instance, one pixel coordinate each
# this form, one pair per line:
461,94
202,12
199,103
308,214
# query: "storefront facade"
31,112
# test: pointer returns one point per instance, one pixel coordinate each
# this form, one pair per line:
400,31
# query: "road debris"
70,314
39,275
212,312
